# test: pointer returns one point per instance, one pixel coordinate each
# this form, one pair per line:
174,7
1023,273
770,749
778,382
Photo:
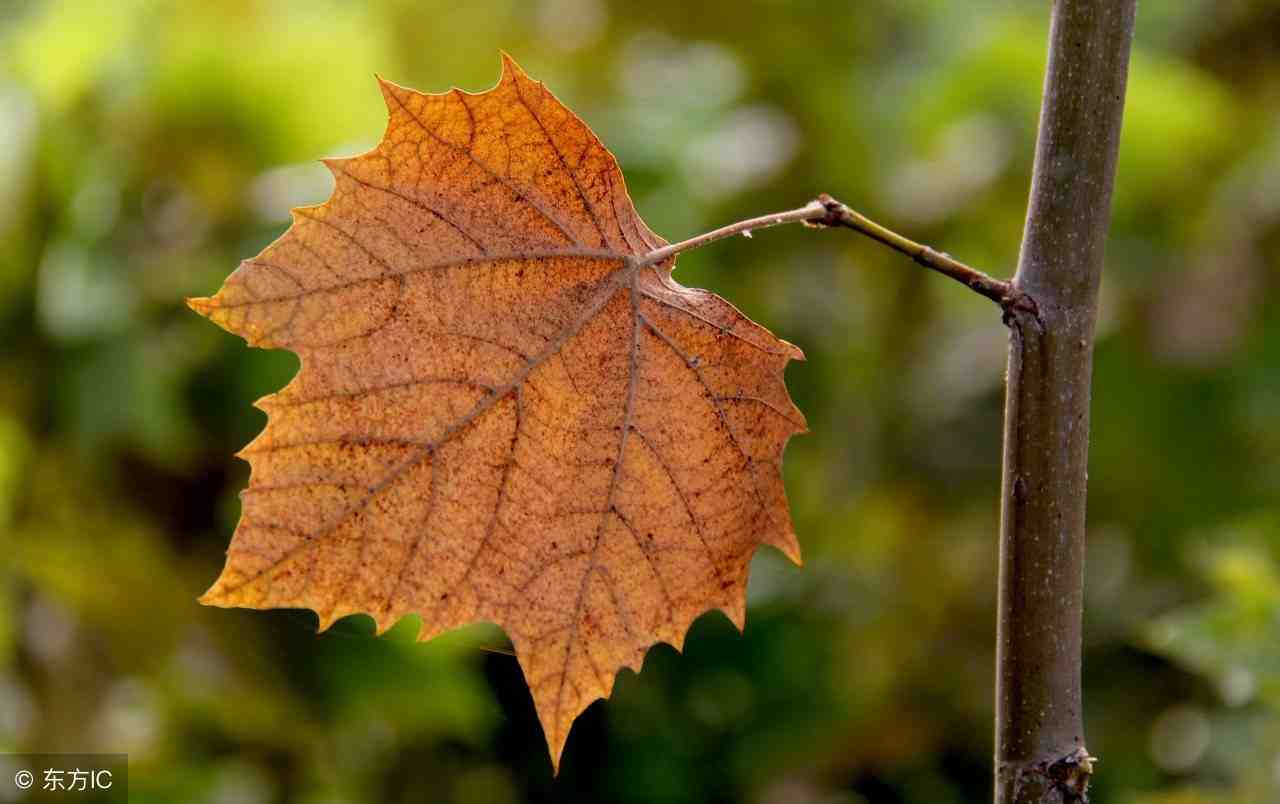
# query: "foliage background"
145,147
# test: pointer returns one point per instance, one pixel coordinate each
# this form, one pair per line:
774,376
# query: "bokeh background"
146,147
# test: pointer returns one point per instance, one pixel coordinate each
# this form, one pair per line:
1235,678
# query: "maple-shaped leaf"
507,410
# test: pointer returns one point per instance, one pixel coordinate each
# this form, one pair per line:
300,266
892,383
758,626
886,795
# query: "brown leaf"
503,413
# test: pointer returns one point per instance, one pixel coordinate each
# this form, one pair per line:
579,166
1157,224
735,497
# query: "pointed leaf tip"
201,304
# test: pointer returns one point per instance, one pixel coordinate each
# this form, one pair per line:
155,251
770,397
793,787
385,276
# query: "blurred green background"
146,147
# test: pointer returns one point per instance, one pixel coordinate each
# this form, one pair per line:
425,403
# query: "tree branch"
1040,750
827,212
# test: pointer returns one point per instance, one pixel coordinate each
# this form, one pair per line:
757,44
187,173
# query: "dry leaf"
504,413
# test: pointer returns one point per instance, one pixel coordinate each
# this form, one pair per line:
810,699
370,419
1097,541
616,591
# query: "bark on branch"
1040,749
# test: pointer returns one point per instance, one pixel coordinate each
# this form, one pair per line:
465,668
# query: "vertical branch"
1040,751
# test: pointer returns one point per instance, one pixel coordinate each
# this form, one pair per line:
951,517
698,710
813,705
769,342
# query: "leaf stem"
827,212
812,211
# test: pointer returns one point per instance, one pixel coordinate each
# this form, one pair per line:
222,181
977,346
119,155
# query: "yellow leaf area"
504,412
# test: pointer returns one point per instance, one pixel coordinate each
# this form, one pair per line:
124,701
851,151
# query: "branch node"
1017,301
834,210
1068,776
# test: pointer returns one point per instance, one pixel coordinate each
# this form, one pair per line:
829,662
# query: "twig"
1004,293
829,213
